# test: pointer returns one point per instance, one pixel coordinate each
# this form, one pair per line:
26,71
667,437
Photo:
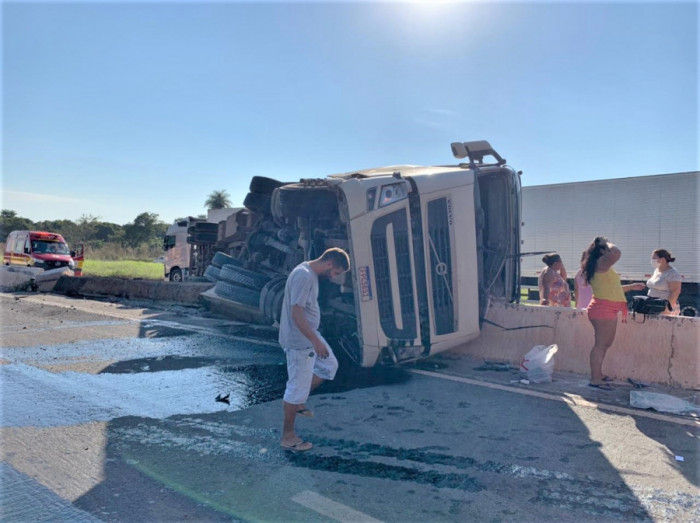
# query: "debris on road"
663,402
223,399
494,365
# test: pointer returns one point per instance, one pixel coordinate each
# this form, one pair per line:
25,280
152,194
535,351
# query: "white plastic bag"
537,365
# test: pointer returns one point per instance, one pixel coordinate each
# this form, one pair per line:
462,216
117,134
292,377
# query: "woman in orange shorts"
608,300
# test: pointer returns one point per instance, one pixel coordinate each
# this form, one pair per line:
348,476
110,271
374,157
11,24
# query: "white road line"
329,508
573,400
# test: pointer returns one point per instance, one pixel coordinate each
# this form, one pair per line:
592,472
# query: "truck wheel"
203,227
689,308
297,200
230,291
175,275
262,185
271,298
211,273
202,237
240,276
257,202
220,259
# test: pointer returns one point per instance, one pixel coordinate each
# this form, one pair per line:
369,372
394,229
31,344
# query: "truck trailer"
638,214
190,244
429,246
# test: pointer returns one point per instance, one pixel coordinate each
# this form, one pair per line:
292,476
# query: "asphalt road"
109,414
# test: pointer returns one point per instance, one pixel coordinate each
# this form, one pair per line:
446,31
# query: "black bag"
649,305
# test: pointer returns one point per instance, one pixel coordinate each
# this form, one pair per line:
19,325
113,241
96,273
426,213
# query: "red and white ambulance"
45,250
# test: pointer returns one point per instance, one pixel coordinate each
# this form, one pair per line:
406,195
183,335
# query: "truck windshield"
47,247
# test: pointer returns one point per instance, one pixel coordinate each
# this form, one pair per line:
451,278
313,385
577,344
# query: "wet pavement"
110,415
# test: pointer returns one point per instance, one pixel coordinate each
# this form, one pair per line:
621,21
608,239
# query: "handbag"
649,306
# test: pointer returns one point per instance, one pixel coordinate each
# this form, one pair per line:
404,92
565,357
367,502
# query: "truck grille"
441,266
381,257
55,264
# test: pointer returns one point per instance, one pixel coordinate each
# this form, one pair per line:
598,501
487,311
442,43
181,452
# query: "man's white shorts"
302,364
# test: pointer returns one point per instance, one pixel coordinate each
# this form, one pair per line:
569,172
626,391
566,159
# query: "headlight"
392,193
71,265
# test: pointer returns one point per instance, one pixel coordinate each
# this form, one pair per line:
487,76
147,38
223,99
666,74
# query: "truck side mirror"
26,250
72,254
459,150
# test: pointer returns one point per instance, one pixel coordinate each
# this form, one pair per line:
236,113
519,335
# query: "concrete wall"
661,350
163,291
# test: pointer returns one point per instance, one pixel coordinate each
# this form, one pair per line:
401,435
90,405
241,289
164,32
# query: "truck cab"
429,248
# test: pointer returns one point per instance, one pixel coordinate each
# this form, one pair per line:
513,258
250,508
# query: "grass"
123,269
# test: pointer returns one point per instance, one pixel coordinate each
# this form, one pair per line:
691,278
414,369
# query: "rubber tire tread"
221,258
264,185
206,227
233,292
257,202
211,273
202,237
244,277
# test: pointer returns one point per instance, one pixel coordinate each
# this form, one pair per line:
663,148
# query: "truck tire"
297,200
230,291
175,274
271,298
211,273
244,277
202,237
203,227
220,259
206,227
257,202
689,308
263,185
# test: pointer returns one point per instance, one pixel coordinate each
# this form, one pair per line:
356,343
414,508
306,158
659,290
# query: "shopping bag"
538,364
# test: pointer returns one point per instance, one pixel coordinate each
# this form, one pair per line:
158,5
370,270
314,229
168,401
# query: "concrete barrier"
661,350
15,278
185,293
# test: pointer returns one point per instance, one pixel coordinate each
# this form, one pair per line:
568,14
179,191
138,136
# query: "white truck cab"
429,247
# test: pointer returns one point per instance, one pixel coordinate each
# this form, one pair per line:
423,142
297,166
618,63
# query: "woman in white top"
665,283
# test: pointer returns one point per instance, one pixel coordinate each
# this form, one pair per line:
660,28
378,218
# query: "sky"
114,109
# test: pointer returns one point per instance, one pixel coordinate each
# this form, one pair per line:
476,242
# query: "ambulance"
45,250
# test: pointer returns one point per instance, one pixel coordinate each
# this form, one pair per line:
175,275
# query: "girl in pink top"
554,291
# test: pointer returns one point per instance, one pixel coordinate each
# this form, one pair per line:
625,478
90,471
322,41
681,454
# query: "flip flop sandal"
601,386
298,446
305,412
608,379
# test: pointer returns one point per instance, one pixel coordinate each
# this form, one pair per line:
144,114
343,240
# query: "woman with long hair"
665,283
608,300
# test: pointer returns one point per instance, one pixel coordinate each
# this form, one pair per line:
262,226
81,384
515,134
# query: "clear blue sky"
113,109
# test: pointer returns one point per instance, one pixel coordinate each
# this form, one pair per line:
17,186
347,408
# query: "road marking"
329,508
573,400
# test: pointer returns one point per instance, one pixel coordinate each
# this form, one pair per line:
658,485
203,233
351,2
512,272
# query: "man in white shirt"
310,360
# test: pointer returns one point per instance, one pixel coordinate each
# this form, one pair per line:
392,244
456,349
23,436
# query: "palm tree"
218,200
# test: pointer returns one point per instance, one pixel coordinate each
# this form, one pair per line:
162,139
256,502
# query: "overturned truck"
429,248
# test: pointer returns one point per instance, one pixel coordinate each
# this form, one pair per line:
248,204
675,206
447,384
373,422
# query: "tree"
145,229
218,200
9,221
